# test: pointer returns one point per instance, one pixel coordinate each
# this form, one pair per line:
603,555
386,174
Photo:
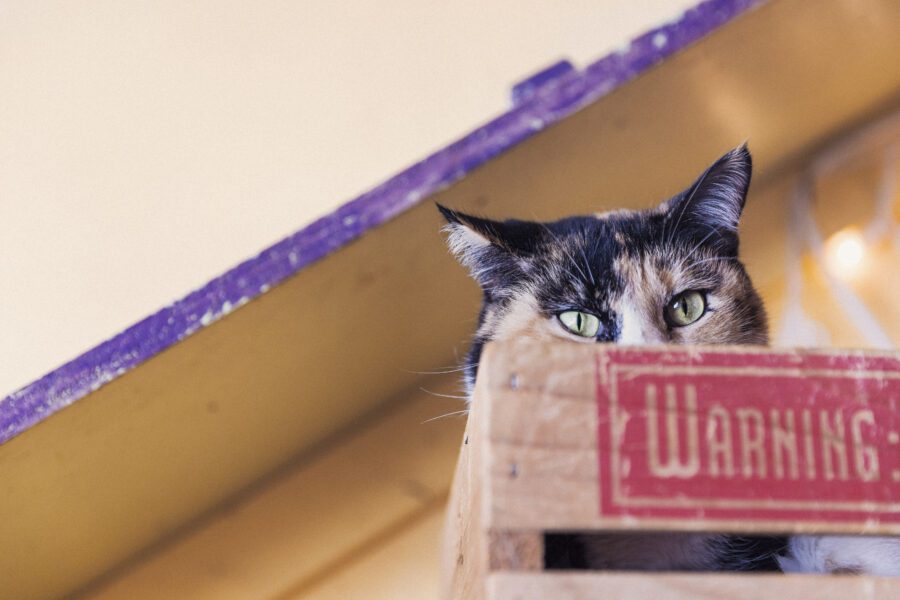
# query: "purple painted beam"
526,90
540,101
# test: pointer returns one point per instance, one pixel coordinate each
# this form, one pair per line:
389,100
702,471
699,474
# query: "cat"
668,275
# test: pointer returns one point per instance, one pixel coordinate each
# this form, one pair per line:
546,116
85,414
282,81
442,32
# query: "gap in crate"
569,551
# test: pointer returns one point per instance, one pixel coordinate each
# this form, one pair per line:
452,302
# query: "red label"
767,436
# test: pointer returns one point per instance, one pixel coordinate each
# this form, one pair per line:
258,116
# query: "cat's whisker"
703,241
693,250
446,371
443,370
685,204
587,264
444,416
439,395
708,260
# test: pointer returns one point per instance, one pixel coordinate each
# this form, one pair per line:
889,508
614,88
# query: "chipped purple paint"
525,90
544,99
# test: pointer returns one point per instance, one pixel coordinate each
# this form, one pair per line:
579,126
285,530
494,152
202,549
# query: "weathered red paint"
749,435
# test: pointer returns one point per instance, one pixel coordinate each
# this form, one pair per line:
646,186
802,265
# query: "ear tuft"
465,239
490,249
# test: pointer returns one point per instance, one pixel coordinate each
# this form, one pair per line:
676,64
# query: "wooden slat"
574,418
515,550
543,488
464,560
686,586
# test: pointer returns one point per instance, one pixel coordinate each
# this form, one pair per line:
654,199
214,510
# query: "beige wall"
146,147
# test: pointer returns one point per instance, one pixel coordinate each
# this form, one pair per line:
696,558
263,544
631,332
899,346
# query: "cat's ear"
708,212
488,247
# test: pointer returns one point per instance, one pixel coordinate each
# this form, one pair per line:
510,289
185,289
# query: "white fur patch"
463,240
633,327
842,554
469,246
520,319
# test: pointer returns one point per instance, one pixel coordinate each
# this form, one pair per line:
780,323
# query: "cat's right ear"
488,248
708,211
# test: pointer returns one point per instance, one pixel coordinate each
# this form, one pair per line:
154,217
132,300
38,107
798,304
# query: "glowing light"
845,252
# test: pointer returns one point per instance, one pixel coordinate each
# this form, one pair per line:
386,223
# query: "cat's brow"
562,246
587,263
691,252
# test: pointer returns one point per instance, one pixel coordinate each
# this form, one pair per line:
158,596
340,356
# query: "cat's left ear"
708,212
490,249
474,233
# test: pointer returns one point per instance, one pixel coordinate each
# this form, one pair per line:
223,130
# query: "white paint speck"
226,307
349,220
293,258
660,40
264,288
207,318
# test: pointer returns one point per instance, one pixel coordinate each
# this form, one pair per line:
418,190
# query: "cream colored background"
146,147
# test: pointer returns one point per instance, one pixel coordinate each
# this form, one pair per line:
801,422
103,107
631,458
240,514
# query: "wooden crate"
575,438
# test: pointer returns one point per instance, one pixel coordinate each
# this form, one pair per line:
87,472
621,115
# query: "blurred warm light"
845,252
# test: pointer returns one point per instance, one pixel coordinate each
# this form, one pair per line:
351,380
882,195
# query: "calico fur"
623,267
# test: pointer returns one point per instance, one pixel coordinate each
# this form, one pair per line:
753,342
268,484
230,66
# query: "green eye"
580,323
685,308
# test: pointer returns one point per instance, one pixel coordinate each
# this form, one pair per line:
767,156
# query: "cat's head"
668,275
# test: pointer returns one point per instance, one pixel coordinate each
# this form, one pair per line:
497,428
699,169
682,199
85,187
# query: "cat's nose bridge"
633,326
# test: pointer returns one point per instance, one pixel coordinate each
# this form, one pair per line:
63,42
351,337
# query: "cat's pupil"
685,308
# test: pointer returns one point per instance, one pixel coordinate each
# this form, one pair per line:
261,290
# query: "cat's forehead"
608,234
579,259
595,258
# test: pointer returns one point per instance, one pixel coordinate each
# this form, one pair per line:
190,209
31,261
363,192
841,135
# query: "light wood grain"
464,558
515,550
